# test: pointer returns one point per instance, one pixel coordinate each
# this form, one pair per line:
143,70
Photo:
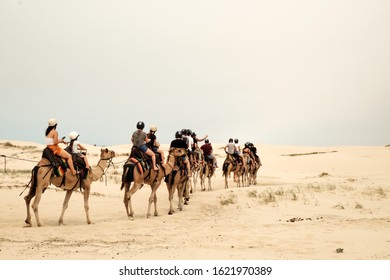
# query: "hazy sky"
270,72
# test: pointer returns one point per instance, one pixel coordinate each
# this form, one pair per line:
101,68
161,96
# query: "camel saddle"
58,163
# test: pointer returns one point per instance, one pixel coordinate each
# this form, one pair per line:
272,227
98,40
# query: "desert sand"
310,203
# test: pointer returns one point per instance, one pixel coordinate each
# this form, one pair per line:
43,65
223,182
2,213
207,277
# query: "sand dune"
316,203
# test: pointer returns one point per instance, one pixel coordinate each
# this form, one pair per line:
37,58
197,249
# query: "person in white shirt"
76,147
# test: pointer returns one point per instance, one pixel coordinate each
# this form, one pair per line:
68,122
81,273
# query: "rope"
5,161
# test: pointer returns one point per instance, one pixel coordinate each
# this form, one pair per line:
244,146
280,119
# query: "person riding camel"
231,150
139,139
180,143
153,144
195,147
189,141
76,147
52,142
207,149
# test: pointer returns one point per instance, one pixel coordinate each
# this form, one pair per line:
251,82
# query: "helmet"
153,128
73,135
189,132
231,140
140,125
52,122
178,134
247,144
206,141
236,141
193,134
183,131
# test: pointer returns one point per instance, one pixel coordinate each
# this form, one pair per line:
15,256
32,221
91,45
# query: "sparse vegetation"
375,191
231,199
339,250
252,194
307,154
10,145
339,206
358,205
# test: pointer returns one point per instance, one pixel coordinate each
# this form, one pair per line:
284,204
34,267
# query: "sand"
310,203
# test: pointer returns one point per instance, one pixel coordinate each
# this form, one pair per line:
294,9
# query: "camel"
43,176
196,168
178,179
149,177
240,174
207,172
253,172
229,165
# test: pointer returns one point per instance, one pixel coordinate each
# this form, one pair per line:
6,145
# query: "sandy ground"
310,203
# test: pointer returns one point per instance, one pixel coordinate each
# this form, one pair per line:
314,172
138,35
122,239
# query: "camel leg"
202,186
130,193
35,204
180,196
153,199
27,199
87,190
126,199
65,206
171,193
226,178
186,191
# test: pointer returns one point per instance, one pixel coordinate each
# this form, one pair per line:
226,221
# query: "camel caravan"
185,165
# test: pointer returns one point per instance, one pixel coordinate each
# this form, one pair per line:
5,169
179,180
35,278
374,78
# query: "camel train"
138,170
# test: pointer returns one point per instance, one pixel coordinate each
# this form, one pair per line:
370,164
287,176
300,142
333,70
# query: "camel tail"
34,180
225,168
128,174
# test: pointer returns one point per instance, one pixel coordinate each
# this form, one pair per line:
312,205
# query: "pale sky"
310,73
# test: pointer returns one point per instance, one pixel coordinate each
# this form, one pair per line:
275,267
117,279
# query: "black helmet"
206,141
193,134
247,144
189,132
140,125
231,140
178,134
236,141
183,131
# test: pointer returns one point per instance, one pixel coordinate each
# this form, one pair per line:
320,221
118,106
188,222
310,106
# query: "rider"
208,152
195,147
153,144
253,150
180,143
238,151
52,142
75,147
139,139
231,149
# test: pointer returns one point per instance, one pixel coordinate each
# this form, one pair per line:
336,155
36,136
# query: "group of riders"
147,143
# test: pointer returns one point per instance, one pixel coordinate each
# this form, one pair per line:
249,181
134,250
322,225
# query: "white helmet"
52,122
153,128
73,135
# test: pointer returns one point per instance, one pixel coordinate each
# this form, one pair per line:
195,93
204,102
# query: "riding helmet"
140,125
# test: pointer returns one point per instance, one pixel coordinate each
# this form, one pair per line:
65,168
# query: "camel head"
106,154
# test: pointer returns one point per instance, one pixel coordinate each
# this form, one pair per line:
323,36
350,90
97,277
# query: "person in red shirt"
208,152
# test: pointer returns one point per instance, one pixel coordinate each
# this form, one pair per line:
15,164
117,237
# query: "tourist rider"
181,144
52,142
139,139
76,147
152,142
